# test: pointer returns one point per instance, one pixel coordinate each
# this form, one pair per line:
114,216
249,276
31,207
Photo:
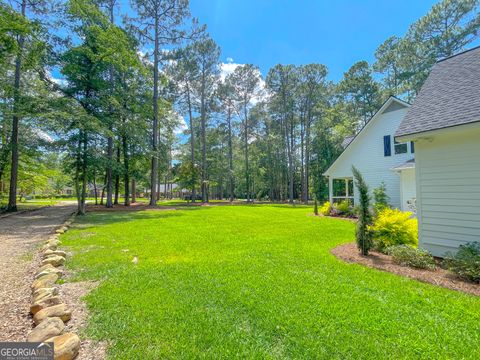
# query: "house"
444,124
378,157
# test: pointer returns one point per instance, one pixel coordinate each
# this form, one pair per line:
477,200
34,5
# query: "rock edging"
49,312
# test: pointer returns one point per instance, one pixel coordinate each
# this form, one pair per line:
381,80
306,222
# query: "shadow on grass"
108,217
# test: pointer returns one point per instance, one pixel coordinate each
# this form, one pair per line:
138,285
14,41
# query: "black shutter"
387,145
412,147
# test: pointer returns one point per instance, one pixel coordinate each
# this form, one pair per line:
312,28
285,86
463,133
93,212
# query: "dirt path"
20,234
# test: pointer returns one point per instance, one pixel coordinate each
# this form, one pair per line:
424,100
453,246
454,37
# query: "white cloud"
227,68
44,136
182,125
60,82
144,57
230,66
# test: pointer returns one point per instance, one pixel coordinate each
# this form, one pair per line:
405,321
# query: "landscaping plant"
407,255
344,208
315,206
466,262
394,227
363,235
326,209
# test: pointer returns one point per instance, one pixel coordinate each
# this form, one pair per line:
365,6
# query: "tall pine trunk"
203,131
302,157
103,190
77,172
126,175
95,192
154,169
82,207
117,177
230,156
307,159
247,170
12,196
192,142
109,184
134,191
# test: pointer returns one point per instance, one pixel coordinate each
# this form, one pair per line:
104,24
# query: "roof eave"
434,132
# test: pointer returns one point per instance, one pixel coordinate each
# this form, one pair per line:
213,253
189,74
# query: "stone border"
49,312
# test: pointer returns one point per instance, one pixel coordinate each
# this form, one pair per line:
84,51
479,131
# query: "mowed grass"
255,282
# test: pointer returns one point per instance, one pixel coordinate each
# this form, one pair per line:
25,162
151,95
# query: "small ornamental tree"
315,205
363,235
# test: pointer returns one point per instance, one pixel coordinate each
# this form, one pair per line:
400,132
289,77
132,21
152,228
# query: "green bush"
466,262
326,209
315,206
406,255
344,208
394,227
381,198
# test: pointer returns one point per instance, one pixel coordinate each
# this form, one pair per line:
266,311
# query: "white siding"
448,190
366,153
407,188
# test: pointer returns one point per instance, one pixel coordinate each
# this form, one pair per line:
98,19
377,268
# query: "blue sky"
334,33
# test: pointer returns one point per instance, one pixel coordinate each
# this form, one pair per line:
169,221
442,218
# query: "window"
387,147
400,148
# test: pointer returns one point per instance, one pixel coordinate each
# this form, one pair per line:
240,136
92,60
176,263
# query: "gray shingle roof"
449,97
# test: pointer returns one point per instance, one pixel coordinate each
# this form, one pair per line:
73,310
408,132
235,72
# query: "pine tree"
363,234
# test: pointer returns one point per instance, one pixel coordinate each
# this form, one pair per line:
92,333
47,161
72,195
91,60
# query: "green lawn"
255,282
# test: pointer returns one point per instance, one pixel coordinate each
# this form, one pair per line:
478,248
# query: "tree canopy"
116,107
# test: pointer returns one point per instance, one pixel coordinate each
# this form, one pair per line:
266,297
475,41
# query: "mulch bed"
351,219
440,277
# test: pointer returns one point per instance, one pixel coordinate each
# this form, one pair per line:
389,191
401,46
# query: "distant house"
378,157
173,190
444,123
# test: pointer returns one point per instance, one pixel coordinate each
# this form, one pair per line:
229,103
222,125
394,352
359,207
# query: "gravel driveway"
20,234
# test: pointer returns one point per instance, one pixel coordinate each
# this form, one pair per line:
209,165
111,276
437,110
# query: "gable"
395,105
392,111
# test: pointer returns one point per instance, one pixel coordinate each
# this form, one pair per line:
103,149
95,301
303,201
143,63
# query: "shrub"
326,209
394,227
381,198
466,262
417,258
363,234
344,208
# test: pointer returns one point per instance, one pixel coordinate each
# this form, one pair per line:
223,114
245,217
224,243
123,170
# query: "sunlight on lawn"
255,282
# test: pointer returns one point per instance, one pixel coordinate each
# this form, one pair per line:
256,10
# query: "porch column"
330,189
346,190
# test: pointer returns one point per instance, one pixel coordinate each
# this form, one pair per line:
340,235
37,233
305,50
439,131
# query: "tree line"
90,95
